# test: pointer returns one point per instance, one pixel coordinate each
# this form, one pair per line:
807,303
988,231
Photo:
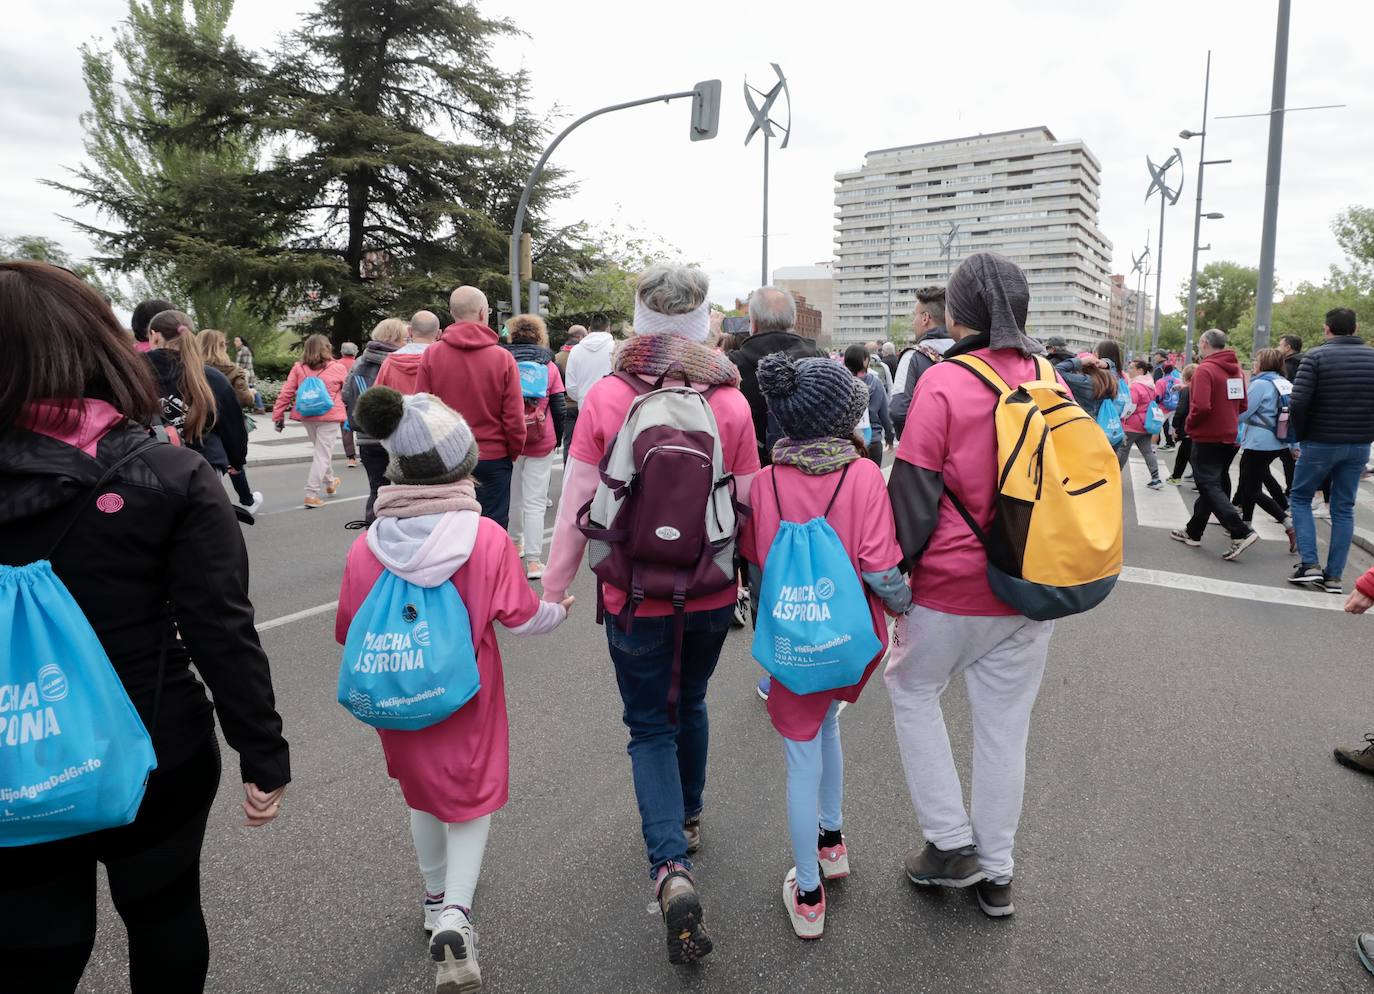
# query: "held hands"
567,603
259,806
1358,603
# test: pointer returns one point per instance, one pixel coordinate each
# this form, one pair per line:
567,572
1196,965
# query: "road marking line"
286,619
1154,510
301,507
1230,588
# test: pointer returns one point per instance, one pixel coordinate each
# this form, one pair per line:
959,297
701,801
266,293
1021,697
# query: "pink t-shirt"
600,418
950,430
547,442
458,769
1142,393
862,518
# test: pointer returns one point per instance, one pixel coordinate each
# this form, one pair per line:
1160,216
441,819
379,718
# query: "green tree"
1225,290
900,332
1354,230
1172,331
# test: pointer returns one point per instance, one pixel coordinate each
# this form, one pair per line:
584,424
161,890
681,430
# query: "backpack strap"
636,384
86,501
984,372
969,520
836,494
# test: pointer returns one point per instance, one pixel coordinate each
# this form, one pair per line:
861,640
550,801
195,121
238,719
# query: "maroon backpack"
663,519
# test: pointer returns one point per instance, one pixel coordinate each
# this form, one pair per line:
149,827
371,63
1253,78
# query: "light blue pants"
815,794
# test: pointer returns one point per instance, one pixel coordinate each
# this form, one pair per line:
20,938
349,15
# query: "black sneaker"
1304,573
1332,584
935,867
995,899
1360,760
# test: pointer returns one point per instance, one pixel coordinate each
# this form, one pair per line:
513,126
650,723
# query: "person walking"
1214,407
388,336
932,341
144,312
348,355
1291,347
1331,412
1180,419
142,536
818,407
879,428
317,364
956,623
216,353
772,329
1091,380
1142,395
469,371
1265,415
1166,396
878,368
401,369
543,393
575,335
243,358
454,773
199,403
667,756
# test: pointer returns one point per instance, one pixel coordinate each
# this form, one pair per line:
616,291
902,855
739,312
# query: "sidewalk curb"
278,461
1364,540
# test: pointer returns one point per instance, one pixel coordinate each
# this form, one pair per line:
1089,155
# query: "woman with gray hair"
658,651
957,624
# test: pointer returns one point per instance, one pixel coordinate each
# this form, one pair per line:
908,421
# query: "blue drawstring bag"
409,661
815,629
534,379
312,398
1109,420
1154,419
74,755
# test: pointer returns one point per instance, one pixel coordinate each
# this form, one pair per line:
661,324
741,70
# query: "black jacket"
360,377
1291,364
1333,395
747,358
168,559
225,444
529,352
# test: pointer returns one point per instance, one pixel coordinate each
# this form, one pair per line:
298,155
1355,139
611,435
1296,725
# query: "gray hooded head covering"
988,292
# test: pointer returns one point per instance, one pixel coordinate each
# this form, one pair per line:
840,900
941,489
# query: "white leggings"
450,855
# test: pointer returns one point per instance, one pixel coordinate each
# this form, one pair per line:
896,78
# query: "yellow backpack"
1054,544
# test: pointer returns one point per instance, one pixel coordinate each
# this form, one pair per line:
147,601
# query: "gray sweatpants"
1002,660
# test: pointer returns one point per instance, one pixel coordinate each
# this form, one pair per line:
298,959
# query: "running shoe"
1156,484
1174,481
1360,760
352,464
1332,585
1180,535
834,860
534,569
936,867
332,487
995,899
1239,545
256,505
741,617
312,502
432,908
454,948
1323,511
765,684
808,920
1364,946
1306,573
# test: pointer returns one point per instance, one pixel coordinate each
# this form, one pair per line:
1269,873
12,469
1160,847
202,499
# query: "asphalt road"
1185,828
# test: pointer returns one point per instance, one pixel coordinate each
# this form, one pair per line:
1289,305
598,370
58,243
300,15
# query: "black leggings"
48,895
1255,479
1185,452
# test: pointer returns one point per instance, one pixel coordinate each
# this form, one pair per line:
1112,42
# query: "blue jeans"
1343,463
815,787
492,477
668,761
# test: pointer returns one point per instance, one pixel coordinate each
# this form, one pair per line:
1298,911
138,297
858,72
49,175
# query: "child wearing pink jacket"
429,531
818,471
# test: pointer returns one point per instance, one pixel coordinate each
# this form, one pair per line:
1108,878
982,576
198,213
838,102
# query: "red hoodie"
1217,398
401,369
472,374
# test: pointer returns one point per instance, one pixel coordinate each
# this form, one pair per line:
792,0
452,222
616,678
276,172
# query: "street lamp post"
1264,295
705,119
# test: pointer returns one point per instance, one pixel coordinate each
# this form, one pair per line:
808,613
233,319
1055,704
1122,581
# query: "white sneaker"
432,910
256,506
1324,511
454,948
808,920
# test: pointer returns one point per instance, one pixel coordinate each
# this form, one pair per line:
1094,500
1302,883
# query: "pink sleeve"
288,393
348,599
748,535
589,440
878,548
555,380
929,447
565,552
742,453
513,600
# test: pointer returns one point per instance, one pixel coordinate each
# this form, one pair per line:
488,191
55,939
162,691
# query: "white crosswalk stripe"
1171,507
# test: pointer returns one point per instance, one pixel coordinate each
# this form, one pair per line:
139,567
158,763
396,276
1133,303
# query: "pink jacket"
333,376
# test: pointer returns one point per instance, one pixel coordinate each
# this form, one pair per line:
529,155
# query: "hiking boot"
332,487
691,830
834,860
454,947
1305,573
311,503
1239,545
677,899
1179,535
1360,760
995,899
808,920
936,867
1364,947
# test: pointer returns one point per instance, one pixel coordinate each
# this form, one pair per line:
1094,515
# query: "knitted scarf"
651,355
411,501
815,456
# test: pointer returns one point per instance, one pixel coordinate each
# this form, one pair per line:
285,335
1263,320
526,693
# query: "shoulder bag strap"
86,501
836,494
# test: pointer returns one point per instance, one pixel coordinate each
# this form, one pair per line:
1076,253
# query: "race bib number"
1284,387
1235,389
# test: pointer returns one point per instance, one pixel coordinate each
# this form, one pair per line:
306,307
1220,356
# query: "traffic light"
705,109
539,298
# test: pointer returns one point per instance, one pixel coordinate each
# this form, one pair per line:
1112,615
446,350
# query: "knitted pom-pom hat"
812,398
427,440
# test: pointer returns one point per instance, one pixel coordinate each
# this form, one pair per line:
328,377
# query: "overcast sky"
1124,75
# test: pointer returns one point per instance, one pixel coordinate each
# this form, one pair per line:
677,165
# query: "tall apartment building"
1128,307
1022,193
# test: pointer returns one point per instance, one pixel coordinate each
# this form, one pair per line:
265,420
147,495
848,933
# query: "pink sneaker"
808,920
834,861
